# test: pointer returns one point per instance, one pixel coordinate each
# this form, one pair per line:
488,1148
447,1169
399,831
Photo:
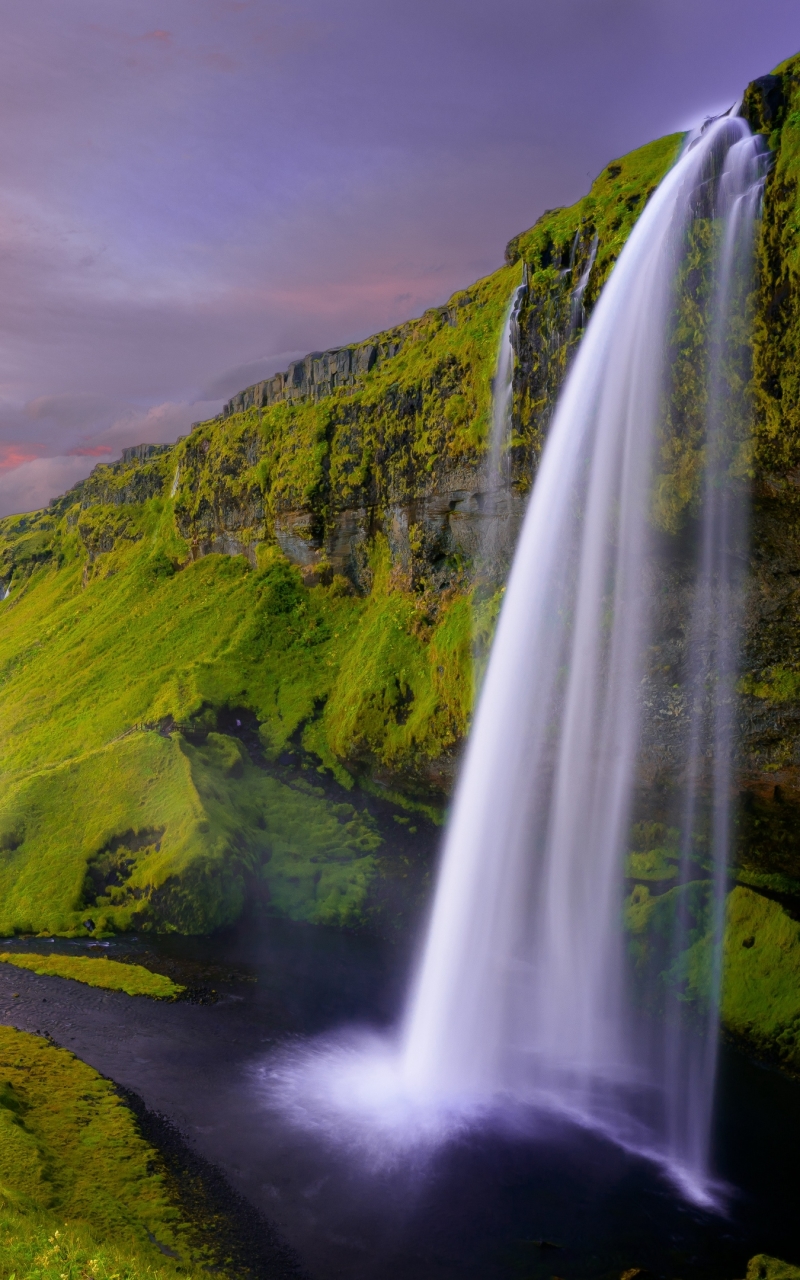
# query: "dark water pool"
488,1204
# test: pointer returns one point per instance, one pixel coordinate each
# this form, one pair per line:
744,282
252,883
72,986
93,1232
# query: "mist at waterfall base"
531,1000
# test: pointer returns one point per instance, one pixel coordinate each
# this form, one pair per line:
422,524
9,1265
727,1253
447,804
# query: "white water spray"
523,988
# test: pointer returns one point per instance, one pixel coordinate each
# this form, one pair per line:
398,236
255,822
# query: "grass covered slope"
78,1194
110,813
773,107
111,975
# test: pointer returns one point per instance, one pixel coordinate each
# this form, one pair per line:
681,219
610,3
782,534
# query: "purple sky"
193,192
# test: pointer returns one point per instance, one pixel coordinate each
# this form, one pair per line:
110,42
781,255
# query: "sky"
195,192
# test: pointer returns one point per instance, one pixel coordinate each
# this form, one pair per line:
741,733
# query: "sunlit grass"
112,975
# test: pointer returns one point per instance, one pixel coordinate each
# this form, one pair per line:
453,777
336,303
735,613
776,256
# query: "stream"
552,1200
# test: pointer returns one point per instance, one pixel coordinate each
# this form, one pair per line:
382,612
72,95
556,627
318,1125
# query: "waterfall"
496,471
525,987
577,314
503,390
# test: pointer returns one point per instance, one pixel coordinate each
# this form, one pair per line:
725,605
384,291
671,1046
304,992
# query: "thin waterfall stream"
529,990
496,471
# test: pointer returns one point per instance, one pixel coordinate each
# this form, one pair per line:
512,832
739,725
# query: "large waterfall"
529,991
524,988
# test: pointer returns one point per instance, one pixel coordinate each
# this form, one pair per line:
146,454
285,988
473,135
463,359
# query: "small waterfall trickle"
577,313
503,391
496,476
525,987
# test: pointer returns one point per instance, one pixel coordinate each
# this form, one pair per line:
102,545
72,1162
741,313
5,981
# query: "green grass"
777,332
32,1248
133,979
97,683
73,1162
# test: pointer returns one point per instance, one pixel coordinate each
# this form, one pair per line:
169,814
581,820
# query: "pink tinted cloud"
93,451
14,454
31,485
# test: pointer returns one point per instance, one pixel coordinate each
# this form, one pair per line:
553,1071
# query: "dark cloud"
194,191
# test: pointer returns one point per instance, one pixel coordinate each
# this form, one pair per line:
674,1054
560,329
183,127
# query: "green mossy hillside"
408,422
153,832
773,107
111,975
120,804
80,1190
565,249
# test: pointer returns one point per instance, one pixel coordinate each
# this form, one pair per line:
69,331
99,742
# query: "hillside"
242,666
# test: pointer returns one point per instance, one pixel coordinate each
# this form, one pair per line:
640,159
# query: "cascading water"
496,469
526,991
503,394
577,314
524,987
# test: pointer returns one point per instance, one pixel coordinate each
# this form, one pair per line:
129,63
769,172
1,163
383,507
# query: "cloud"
226,384
14,455
71,410
28,481
31,485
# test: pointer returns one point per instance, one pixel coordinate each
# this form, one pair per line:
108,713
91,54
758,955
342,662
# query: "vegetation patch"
761,982
81,1192
777,332
763,1267
113,975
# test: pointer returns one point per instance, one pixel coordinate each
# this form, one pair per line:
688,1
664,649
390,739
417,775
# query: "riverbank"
91,1184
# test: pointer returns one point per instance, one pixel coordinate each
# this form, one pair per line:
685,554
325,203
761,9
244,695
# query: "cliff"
243,665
